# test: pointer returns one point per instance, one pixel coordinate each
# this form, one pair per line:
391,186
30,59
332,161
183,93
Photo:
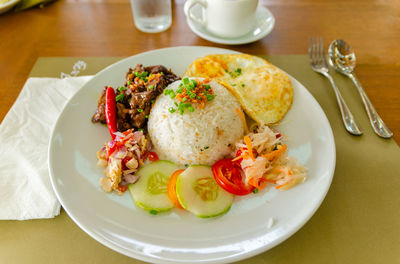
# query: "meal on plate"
186,143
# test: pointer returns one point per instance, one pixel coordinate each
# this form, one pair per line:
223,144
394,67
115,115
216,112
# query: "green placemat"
358,222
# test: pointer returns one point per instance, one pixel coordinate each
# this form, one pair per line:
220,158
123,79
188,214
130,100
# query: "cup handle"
188,6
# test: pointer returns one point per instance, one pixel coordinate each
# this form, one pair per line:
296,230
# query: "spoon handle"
348,119
380,128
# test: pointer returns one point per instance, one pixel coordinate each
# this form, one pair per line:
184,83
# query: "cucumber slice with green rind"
199,193
150,191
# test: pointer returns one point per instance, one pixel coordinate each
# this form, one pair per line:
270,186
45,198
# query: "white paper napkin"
25,189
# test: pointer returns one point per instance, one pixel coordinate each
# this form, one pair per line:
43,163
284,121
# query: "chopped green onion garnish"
190,108
206,147
194,83
171,110
139,110
233,84
151,87
122,88
119,97
175,103
185,80
128,83
255,190
184,99
152,101
147,116
141,129
210,97
141,75
198,97
207,87
243,85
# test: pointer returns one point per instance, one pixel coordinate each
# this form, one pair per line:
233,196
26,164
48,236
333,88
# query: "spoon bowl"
342,56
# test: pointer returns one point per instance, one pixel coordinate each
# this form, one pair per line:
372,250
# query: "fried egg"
264,91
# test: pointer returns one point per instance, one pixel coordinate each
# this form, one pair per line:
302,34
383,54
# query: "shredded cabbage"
271,163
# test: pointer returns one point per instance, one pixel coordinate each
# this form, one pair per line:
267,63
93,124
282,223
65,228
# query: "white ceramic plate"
178,236
265,22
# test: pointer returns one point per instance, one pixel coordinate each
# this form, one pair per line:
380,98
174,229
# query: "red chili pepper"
122,188
153,156
111,111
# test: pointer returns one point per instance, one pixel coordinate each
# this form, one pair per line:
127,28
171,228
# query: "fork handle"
380,128
348,119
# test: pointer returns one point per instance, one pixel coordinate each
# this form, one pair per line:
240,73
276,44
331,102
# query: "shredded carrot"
276,153
246,130
259,183
247,140
238,157
283,185
271,181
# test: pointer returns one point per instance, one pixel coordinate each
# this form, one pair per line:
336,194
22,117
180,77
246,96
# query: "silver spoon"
343,59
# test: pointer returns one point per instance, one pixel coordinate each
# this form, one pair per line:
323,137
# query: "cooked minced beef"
135,98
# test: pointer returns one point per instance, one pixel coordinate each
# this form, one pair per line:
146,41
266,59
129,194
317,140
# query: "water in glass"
152,15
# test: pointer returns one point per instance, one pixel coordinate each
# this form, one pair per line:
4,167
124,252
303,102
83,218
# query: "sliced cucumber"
150,191
199,193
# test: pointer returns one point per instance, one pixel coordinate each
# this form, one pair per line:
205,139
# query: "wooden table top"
105,28
101,28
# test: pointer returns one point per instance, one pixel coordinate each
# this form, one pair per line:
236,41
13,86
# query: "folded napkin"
26,191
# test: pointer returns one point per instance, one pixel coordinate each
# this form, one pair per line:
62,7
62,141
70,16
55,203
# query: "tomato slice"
230,177
172,189
153,156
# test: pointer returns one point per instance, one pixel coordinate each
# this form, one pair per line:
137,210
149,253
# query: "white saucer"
265,22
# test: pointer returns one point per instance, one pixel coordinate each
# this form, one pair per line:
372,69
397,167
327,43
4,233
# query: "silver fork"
319,64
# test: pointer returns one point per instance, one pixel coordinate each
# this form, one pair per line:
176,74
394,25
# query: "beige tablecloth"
358,222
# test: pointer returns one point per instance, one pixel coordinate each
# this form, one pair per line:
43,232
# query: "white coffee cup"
224,18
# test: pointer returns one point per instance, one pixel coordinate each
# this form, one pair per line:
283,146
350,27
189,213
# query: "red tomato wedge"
153,156
172,189
229,176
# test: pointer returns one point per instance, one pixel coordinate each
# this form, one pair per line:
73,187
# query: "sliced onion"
137,135
130,178
138,155
122,152
111,143
119,134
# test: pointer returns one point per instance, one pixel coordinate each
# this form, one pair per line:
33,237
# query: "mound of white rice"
200,137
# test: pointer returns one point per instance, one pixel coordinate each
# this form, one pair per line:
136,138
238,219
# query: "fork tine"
311,50
321,50
315,50
318,50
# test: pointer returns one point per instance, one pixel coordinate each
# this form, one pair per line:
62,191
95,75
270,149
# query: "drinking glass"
152,16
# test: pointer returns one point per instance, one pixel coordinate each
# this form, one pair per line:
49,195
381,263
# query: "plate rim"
225,259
